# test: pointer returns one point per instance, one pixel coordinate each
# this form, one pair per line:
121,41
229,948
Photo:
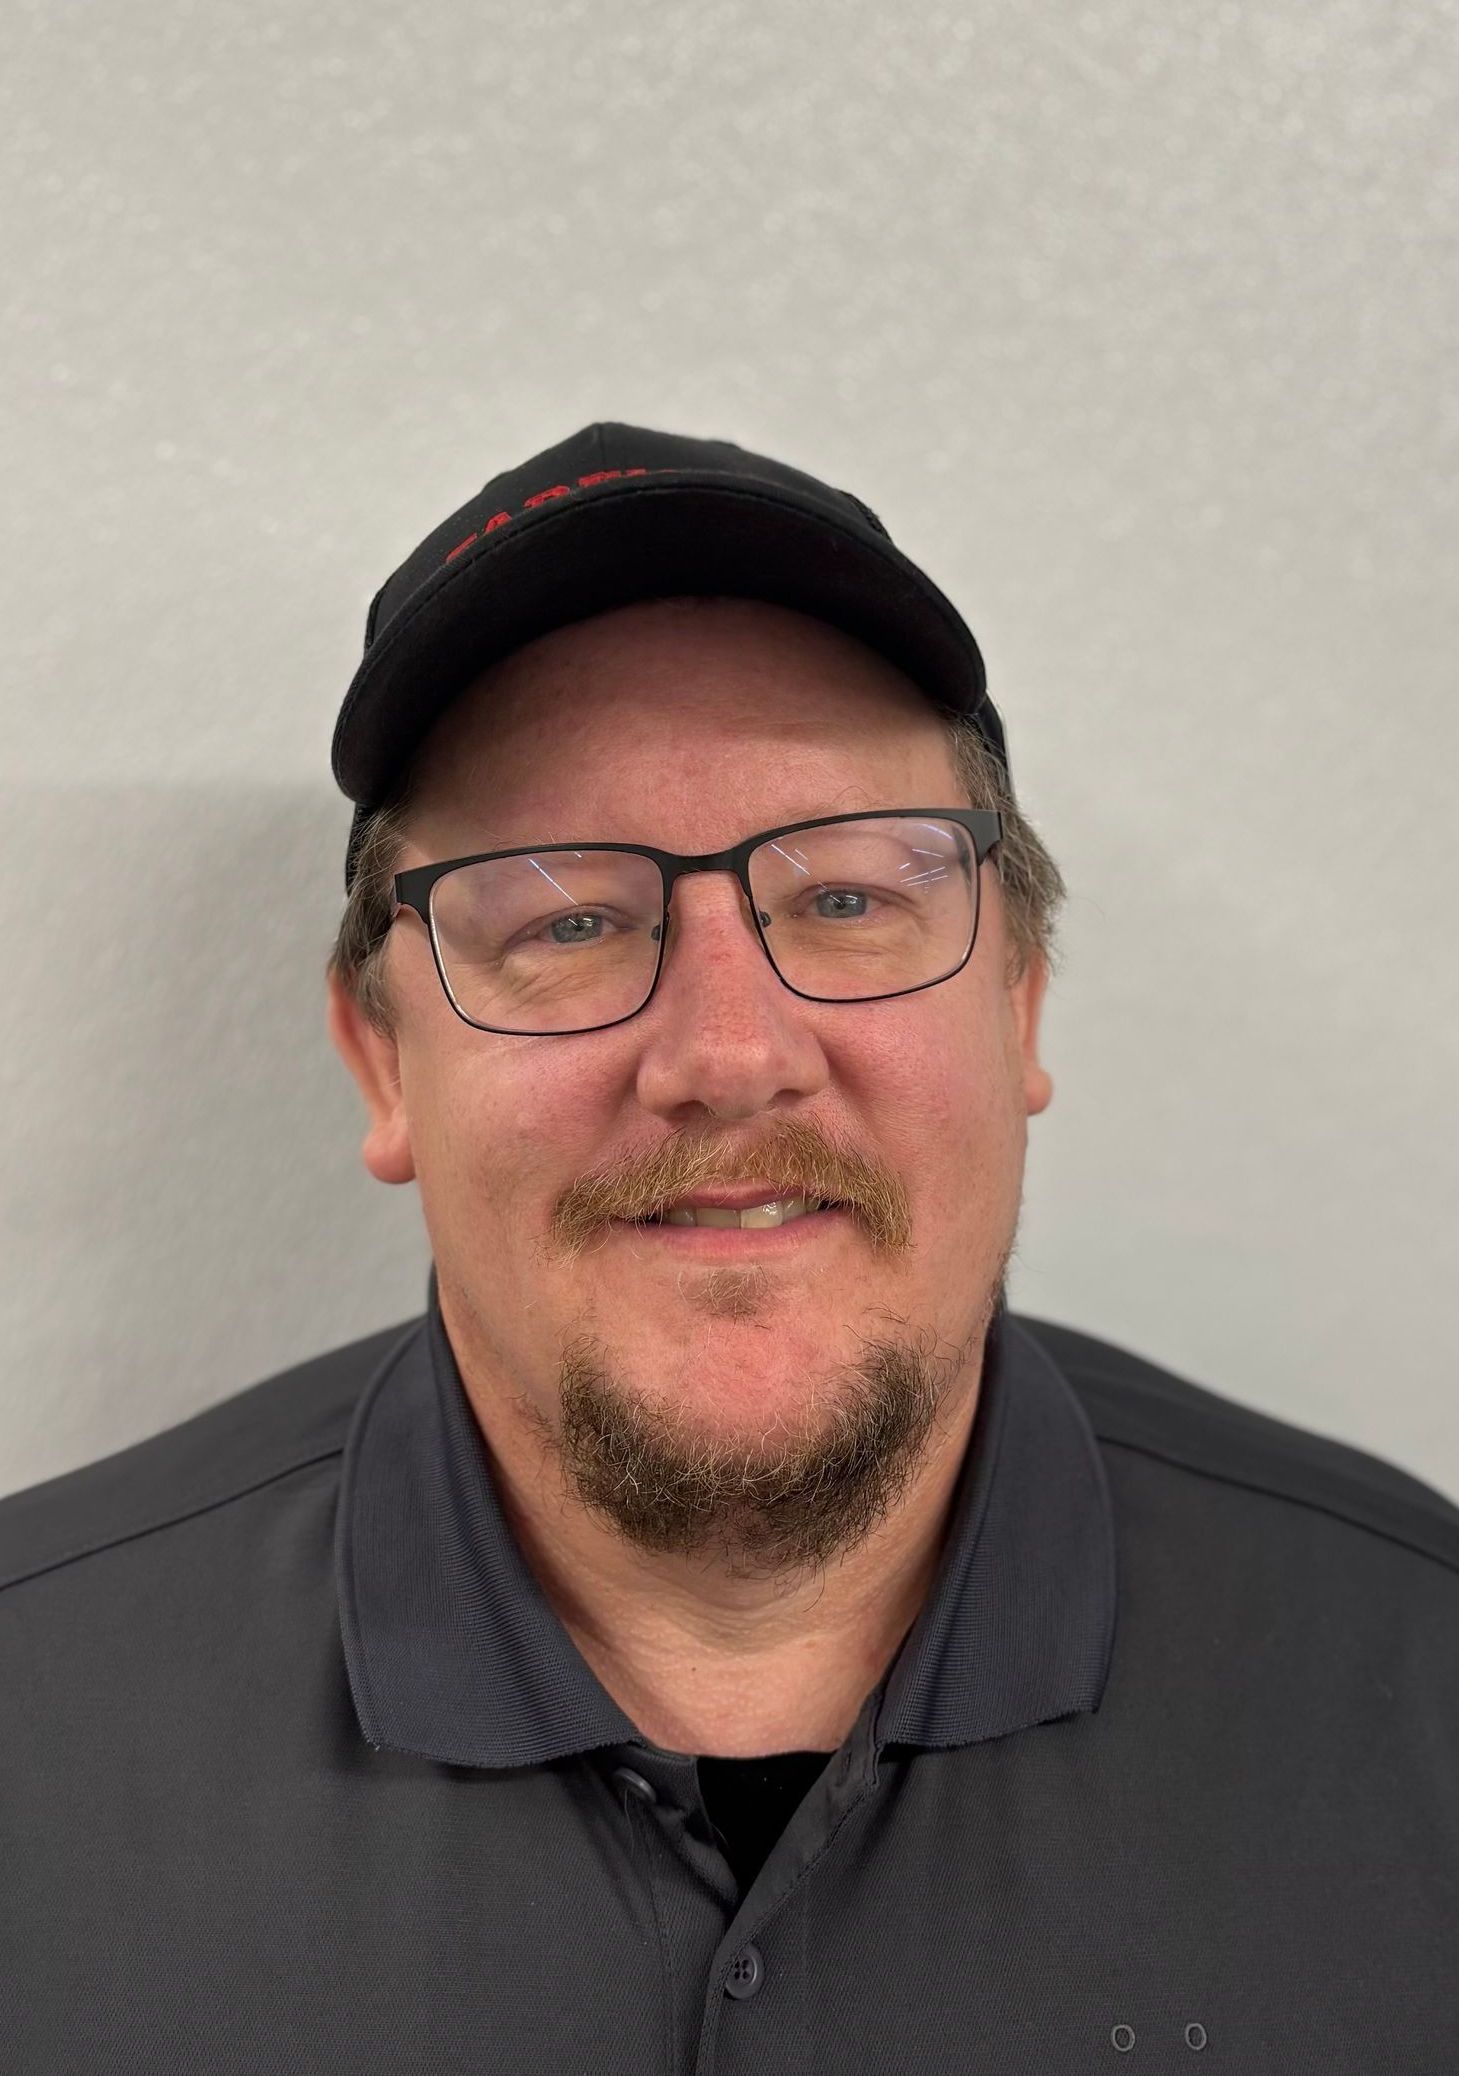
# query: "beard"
778,1504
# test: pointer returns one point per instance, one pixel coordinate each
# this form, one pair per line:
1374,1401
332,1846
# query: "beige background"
1135,323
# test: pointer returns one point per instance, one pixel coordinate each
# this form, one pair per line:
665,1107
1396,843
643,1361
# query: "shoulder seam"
1083,1368
170,1520
1295,1499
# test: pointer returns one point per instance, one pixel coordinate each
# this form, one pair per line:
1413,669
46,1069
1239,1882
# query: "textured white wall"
1135,323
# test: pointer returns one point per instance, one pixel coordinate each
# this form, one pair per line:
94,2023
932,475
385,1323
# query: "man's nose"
708,920
723,1033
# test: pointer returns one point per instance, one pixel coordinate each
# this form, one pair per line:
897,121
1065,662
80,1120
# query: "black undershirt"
750,1802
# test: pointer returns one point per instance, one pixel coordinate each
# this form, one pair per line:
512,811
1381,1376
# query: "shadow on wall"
183,1209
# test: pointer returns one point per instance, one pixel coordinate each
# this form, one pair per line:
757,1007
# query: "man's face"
768,1406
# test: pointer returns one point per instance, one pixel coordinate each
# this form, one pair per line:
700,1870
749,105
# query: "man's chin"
714,1413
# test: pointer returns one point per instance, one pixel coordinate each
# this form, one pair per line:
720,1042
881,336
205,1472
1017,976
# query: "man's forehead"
558,756
614,822
709,640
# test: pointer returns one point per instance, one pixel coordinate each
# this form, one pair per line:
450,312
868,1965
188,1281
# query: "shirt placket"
734,1969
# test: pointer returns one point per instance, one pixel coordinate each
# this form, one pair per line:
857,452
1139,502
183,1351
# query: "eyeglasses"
556,938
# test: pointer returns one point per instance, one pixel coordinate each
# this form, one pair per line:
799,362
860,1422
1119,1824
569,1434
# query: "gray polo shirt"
300,1771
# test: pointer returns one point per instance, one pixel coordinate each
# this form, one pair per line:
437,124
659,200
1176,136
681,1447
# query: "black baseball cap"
609,516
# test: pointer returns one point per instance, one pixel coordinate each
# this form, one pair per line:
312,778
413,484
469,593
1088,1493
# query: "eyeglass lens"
559,940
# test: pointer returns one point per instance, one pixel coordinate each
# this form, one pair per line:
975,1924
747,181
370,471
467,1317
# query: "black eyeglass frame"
412,890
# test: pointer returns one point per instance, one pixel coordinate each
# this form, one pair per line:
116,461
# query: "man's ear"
1028,1000
374,1061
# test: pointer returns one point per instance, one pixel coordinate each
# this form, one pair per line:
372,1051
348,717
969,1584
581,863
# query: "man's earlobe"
374,1061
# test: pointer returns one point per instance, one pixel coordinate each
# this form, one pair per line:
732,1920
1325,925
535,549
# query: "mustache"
793,1158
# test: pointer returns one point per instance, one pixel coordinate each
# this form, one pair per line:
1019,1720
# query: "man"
719,1635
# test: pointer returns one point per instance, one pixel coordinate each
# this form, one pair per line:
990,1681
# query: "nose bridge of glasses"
696,885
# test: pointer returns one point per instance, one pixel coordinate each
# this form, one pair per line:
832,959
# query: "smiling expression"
723,1357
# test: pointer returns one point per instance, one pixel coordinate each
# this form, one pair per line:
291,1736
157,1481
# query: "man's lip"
743,1199
728,1243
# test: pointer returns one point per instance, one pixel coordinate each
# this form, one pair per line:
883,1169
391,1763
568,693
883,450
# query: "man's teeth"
756,1217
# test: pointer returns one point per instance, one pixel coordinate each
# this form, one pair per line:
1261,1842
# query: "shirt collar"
455,1654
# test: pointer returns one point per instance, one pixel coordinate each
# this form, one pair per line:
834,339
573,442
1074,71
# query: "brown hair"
1032,886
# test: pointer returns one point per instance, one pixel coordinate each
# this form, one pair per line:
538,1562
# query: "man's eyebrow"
490,841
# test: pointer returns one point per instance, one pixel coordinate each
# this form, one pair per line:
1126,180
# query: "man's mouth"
764,1217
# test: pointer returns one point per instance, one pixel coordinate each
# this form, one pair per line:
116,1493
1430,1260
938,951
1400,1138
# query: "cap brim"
676,534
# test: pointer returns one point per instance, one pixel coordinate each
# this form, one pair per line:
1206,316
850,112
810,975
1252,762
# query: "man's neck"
730,1667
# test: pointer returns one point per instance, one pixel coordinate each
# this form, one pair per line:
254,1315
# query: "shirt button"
634,1784
746,1974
